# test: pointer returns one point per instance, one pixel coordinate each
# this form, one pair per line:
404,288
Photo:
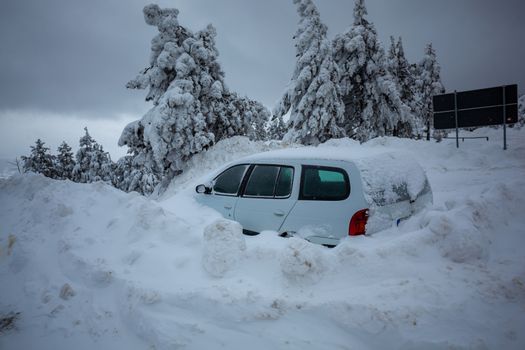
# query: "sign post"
504,121
456,117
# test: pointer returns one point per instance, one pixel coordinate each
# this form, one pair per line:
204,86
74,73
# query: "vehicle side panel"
259,214
326,222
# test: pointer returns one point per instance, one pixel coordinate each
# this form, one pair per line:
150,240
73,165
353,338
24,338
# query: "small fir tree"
81,171
428,84
65,162
39,160
400,70
92,162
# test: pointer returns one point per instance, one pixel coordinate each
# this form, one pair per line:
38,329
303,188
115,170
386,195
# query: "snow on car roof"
311,152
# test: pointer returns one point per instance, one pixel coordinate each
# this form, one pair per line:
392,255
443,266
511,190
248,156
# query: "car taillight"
358,223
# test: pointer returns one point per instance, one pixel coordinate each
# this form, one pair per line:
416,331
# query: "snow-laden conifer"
373,103
312,96
64,162
399,69
276,128
128,176
428,84
92,162
39,160
193,107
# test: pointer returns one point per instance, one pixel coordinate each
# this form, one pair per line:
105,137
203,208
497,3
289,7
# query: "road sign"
483,107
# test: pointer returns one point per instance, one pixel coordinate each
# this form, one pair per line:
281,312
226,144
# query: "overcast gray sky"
64,63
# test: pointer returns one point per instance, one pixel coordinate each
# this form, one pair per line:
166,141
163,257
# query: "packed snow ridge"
88,266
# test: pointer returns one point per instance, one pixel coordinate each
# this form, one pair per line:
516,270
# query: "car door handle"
278,213
227,206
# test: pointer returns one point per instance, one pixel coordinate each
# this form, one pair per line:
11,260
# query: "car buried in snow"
322,194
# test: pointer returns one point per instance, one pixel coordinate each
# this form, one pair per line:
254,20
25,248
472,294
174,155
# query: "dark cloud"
71,55
76,55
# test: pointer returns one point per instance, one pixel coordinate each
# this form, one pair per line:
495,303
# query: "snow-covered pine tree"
193,108
373,103
92,163
399,69
101,164
312,97
81,171
239,116
428,84
256,116
39,160
64,162
276,128
122,173
130,177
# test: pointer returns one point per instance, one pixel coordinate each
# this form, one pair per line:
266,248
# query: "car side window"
283,188
324,183
262,181
229,181
269,181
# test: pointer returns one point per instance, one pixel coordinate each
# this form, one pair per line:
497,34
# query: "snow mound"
224,244
302,261
458,238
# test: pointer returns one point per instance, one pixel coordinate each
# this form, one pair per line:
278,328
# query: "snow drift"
88,266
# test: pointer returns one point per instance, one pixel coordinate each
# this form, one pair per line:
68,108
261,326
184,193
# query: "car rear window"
229,181
324,183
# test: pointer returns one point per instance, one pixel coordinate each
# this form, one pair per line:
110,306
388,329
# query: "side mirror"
203,189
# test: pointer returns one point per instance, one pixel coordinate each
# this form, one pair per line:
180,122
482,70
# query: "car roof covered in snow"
310,152
380,170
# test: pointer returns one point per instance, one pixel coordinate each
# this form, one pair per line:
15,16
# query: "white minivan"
321,194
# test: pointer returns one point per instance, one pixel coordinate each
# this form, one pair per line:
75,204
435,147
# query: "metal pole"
456,117
504,121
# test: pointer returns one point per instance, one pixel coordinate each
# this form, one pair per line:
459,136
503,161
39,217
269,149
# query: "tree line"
89,164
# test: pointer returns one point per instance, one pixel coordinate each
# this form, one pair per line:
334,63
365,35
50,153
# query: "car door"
266,199
225,190
325,206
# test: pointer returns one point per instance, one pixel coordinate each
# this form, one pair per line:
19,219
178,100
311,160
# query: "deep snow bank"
90,267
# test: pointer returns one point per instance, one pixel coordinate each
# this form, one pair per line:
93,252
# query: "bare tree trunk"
17,164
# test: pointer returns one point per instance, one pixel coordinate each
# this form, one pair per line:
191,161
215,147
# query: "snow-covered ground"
88,266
